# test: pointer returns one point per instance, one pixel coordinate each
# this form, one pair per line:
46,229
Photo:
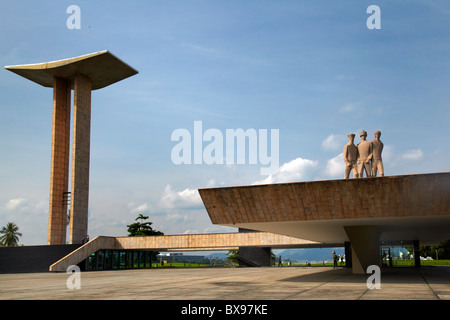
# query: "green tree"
10,235
445,254
273,258
233,256
139,229
142,228
442,250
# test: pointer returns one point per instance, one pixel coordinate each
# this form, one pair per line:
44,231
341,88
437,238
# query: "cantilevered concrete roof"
103,68
408,207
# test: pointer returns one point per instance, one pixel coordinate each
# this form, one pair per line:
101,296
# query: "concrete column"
255,256
59,170
416,253
365,243
348,254
80,159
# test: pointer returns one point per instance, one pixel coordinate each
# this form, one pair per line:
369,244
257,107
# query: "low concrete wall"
32,258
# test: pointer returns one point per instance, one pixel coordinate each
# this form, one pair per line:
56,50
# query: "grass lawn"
422,262
399,263
434,262
179,265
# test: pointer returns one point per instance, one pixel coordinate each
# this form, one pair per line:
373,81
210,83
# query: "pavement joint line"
315,287
302,291
246,290
429,286
362,294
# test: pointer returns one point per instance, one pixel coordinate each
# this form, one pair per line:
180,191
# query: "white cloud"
213,183
15,204
335,167
350,107
141,208
191,231
187,198
296,170
415,154
179,218
333,142
30,215
388,154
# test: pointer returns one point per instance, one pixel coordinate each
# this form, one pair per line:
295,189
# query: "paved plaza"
282,283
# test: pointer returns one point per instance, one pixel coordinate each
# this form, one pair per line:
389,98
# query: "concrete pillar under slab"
348,254
80,159
365,243
255,256
59,170
416,253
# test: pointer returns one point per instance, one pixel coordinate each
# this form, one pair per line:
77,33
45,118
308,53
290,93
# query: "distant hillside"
297,255
309,255
218,255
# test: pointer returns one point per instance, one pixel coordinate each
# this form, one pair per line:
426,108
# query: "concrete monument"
82,74
350,156
377,162
364,155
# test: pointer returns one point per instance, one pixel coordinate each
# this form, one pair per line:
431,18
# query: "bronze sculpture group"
366,156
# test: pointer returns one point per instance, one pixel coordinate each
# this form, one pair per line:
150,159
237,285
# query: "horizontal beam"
185,242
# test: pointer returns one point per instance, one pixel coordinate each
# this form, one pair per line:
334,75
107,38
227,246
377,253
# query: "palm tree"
10,235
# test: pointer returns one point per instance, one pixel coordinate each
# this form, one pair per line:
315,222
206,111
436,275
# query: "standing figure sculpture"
350,156
377,162
364,155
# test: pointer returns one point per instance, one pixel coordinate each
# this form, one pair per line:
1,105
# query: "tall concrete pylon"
82,74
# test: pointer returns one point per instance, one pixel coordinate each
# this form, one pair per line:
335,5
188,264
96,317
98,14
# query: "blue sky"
311,69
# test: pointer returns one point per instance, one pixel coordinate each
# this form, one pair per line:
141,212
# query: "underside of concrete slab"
363,212
102,68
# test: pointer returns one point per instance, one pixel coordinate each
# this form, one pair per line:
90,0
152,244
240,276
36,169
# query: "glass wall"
397,254
119,259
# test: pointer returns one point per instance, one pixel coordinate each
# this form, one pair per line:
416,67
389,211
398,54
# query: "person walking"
335,258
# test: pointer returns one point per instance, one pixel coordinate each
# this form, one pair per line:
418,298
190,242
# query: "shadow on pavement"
427,274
